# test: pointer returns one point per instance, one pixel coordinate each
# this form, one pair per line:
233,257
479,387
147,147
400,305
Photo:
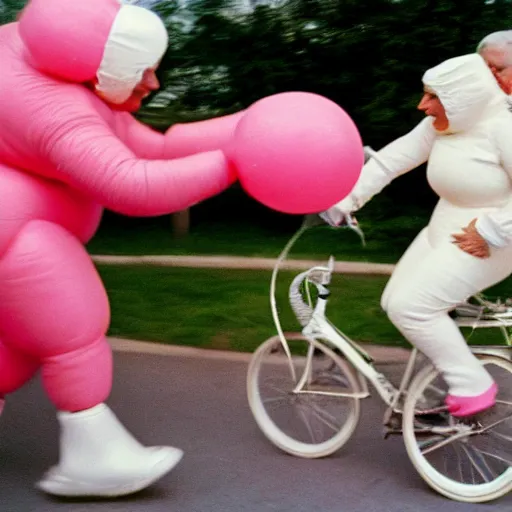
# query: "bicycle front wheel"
464,460
315,420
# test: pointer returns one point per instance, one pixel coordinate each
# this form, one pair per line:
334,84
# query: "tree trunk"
180,223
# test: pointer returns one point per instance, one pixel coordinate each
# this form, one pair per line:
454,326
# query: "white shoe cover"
100,458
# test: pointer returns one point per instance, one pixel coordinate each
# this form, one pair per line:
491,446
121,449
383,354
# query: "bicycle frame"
319,329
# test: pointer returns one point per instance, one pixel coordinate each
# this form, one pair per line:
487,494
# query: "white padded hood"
467,89
137,42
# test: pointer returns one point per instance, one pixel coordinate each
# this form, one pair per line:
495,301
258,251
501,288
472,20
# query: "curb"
381,355
238,262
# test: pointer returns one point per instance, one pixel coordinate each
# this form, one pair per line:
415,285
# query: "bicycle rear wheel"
315,421
469,460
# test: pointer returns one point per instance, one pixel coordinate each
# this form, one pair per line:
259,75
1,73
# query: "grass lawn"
237,240
227,309
262,235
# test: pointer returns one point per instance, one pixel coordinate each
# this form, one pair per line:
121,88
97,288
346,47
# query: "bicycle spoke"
497,457
275,388
447,441
474,463
500,435
445,464
427,442
274,399
472,470
306,423
456,449
492,425
321,415
504,402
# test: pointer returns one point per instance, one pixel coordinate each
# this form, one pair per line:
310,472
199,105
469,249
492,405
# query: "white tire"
333,374
458,467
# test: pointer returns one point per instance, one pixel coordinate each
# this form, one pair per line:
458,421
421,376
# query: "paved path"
346,267
380,354
199,404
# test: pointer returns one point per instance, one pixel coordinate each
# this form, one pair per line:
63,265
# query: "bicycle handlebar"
302,311
319,275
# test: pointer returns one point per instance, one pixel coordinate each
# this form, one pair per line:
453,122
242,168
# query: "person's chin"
131,105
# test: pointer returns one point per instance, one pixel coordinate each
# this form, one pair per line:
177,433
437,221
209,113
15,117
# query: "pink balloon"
297,152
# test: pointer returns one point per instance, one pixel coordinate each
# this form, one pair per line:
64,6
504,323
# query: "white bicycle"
305,390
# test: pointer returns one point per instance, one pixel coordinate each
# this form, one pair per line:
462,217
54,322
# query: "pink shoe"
460,406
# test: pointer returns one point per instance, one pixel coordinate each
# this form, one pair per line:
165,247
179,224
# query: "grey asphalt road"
200,405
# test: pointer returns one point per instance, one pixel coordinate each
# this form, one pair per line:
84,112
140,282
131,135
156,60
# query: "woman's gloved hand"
336,215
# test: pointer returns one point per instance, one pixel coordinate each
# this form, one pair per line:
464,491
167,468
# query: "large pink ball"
297,152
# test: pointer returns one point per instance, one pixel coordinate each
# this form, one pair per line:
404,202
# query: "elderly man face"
496,50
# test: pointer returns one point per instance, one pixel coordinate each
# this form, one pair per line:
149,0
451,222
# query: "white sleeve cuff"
335,214
490,231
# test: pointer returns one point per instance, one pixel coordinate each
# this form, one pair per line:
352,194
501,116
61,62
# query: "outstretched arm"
399,157
180,140
189,138
85,153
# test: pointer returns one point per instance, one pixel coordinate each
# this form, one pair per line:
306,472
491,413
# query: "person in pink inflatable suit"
71,74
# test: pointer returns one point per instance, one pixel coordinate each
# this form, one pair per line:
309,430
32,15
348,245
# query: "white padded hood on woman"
467,89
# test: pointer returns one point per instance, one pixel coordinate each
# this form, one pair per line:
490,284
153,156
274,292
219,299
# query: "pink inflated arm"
82,150
183,139
189,138
143,140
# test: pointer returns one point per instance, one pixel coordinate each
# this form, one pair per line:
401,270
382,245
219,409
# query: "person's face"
144,88
496,59
432,106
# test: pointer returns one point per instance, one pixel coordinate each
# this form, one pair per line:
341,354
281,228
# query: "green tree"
9,9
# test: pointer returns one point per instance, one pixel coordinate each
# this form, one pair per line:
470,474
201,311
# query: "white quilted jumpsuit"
470,169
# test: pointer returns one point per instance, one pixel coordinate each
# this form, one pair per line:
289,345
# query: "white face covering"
137,42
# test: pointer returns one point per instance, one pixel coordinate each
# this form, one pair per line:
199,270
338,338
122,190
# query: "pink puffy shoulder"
67,38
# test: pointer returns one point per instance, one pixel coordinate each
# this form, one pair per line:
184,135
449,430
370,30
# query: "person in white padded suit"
466,246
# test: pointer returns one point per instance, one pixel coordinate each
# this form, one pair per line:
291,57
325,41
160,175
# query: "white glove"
335,215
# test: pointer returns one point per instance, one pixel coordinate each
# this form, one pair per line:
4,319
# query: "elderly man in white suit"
496,50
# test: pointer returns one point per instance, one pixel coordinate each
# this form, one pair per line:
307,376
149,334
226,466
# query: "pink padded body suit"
65,154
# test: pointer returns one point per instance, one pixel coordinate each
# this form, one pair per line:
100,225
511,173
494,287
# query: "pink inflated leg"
460,406
55,309
16,369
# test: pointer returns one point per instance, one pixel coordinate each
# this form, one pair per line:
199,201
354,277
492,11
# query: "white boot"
99,457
